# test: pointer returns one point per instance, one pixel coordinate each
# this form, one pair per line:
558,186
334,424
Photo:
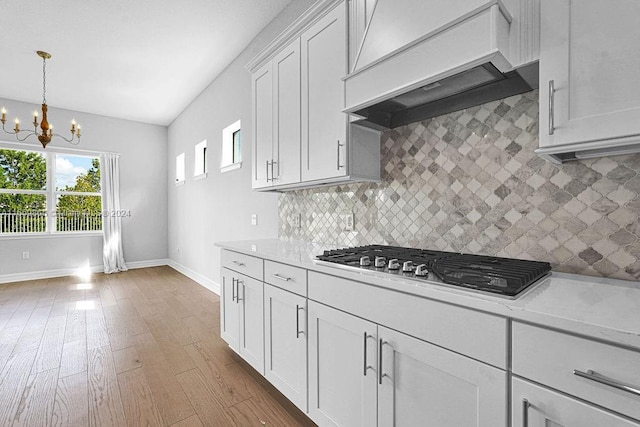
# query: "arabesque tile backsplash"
470,182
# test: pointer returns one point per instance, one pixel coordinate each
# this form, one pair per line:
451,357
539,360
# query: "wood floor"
141,347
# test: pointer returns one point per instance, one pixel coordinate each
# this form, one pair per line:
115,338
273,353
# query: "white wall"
143,186
219,207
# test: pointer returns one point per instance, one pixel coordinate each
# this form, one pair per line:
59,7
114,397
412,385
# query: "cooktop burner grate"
504,276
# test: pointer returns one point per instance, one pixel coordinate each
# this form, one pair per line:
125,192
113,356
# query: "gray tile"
470,181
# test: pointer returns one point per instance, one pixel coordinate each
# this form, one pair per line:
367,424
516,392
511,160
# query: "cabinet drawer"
546,408
241,263
475,334
287,277
550,358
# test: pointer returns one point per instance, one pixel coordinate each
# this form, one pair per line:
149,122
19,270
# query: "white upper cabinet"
276,119
262,144
589,63
286,75
324,125
302,138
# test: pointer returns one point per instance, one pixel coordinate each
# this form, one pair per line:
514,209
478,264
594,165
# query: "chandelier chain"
44,80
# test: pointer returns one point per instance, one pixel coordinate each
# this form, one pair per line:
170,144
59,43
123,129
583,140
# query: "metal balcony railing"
36,221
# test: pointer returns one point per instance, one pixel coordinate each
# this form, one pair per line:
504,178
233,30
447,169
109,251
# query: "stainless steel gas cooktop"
502,276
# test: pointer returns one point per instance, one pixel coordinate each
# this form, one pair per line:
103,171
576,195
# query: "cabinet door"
229,321
262,92
534,406
589,50
285,320
286,66
342,368
324,64
250,295
423,384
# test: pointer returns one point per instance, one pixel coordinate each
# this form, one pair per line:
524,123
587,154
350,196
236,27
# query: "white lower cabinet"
425,385
342,368
535,406
229,308
286,343
242,316
363,374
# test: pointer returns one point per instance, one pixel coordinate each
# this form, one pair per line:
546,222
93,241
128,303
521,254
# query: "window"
231,147
180,176
49,192
200,162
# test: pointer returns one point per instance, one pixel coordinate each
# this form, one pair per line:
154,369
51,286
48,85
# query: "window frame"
200,164
228,161
181,173
50,192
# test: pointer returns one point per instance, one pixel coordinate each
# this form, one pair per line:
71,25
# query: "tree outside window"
29,203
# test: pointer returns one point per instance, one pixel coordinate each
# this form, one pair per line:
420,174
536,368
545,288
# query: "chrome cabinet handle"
338,164
233,289
283,278
366,365
552,91
238,299
380,361
594,376
298,331
525,412
267,170
238,263
273,177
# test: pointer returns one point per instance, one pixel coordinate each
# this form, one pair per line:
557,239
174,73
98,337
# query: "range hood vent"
418,61
478,85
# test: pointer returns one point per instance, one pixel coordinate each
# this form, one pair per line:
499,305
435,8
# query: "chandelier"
47,128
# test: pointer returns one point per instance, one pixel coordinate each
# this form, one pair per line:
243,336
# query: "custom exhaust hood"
419,59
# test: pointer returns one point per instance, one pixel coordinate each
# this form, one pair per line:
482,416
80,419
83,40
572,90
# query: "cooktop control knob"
380,262
394,264
421,270
365,261
407,266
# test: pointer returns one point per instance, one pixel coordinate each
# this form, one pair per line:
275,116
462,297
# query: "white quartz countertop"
604,309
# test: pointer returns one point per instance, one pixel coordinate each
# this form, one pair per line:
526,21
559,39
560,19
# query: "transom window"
49,192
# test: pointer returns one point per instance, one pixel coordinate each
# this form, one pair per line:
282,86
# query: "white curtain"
112,254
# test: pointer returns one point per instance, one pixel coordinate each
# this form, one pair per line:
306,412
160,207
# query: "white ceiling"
142,60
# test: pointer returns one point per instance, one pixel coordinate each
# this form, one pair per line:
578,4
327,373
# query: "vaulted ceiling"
142,60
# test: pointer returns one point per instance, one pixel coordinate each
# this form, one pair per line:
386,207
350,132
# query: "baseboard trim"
148,263
195,276
48,274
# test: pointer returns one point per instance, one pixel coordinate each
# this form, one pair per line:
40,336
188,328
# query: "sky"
68,168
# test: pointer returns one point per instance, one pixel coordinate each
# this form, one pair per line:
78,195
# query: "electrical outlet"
347,222
296,221
25,255
254,219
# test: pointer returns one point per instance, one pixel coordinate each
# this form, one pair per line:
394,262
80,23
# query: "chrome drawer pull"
267,171
238,263
277,276
594,376
525,412
339,165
